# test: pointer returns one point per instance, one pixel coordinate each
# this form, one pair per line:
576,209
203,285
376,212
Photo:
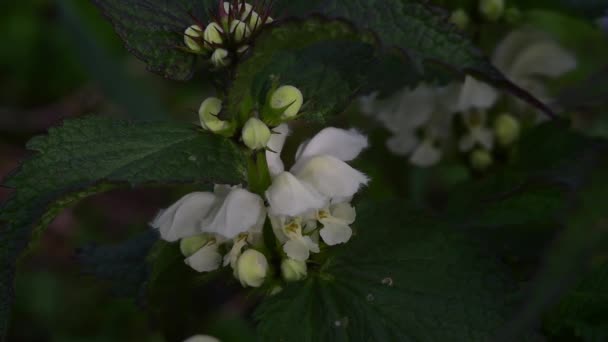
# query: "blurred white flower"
419,120
319,174
479,133
528,57
336,220
201,338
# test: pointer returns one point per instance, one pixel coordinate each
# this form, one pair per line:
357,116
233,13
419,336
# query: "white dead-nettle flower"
336,220
419,120
320,173
252,268
192,37
219,216
290,233
528,57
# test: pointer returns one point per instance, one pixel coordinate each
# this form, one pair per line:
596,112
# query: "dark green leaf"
93,154
153,30
402,277
591,8
123,265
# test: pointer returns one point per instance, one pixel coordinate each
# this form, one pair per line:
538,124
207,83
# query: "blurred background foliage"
61,59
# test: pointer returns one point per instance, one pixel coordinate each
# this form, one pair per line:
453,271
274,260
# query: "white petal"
403,143
416,106
343,212
542,59
476,95
183,218
276,143
339,143
297,250
507,50
277,223
239,212
426,155
331,176
235,251
333,234
289,196
484,136
206,259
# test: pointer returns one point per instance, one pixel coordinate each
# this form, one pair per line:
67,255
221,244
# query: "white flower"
226,212
419,120
252,268
191,35
288,98
289,232
208,114
319,173
336,222
213,34
275,147
479,133
183,219
526,57
239,30
219,58
476,95
235,252
235,211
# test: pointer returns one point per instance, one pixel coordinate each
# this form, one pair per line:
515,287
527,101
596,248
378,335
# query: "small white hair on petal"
331,176
290,197
343,144
237,213
276,143
206,259
183,218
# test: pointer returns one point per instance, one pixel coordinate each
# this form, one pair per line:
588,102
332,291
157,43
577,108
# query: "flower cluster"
229,34
423,120
306,207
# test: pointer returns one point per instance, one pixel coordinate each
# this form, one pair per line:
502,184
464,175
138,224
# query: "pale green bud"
190,34
239,30
492,10
219,58
255,134
293,270
213,34
481,159
460,18
506,129
251,268
191,245
208,112
288,97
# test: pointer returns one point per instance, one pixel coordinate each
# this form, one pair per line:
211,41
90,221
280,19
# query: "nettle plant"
323,259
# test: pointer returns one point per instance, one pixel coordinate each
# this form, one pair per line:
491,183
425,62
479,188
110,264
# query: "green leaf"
326,60
153,30
591,8
402,277
424,33
123,265
94,154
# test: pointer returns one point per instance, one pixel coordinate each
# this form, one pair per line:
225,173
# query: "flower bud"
506,129
208,112
191,245
481,159
213,34
252,268
460,18
239,30
255,134
219,58
293,270
492,10
190,36
289,98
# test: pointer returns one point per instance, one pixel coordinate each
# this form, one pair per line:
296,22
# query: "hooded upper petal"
542,59
239,211
276,143
331,176
184,217
339,143
288,196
